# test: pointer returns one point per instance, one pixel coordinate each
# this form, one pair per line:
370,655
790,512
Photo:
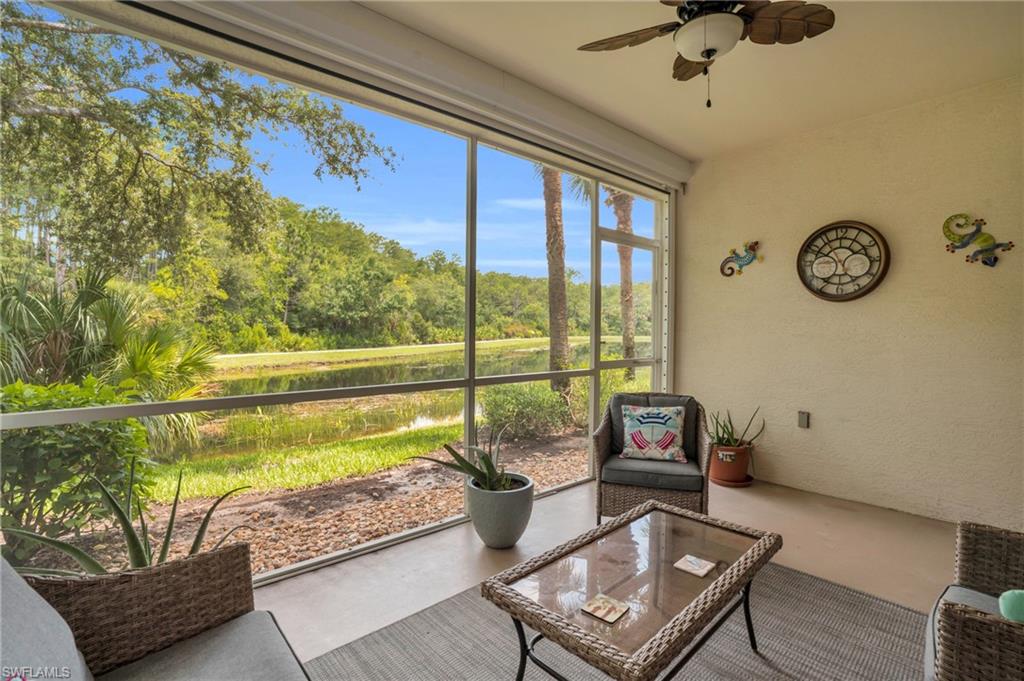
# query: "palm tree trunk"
558,314
622,205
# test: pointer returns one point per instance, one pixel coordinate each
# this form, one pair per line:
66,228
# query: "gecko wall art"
735,261
965,233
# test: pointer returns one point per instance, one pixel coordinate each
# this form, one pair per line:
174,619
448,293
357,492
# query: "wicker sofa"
625,483
967,640
186,619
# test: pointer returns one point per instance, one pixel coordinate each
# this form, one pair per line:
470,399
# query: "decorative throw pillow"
653,433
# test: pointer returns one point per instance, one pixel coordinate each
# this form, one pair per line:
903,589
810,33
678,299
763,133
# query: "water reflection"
436,367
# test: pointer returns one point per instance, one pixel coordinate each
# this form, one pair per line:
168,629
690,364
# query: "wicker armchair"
614,497
969,641
190,618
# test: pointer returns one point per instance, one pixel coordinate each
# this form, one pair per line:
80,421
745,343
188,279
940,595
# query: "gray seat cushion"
33,634
619,400
953,594
653,473
248,648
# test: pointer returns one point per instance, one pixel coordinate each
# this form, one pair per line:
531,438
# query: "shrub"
45,487
287,340
612,382
252,339
524,409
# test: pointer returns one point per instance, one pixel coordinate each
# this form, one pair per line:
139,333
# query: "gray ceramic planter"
500,518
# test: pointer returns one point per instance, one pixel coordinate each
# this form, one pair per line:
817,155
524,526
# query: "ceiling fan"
708,29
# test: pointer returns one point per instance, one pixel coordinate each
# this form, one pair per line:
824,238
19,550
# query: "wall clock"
843,260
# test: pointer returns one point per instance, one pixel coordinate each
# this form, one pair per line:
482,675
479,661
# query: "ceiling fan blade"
684,69
786,22
631,39
774,10
752,7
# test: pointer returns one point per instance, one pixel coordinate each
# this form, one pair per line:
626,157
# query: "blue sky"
422,205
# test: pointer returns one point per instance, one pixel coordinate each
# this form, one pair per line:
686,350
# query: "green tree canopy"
109,142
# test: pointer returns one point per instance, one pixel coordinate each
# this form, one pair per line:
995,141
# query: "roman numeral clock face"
843,261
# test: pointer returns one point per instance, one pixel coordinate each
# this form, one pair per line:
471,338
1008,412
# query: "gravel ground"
289,526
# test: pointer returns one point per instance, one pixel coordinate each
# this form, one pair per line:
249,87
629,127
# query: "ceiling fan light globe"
719,32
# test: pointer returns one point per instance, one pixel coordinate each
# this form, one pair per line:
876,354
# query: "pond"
251,431
434,366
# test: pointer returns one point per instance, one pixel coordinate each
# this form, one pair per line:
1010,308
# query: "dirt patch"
289,526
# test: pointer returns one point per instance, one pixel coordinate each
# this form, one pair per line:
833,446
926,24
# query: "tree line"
133,162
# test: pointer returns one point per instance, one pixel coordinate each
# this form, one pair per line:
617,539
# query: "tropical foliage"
88,327
48,472
138,548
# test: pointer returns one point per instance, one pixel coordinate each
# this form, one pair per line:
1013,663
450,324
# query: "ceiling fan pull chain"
707,73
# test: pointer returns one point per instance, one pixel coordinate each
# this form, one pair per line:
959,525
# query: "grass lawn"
299,466
241,366
264,360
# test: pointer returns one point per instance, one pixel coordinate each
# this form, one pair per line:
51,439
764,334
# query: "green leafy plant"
90,325
47,472
140,551
525,409
723,432
481,465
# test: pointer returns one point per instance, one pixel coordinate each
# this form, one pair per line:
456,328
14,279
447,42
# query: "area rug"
807,628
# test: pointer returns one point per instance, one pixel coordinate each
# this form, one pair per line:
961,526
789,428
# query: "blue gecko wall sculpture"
985,245
734,262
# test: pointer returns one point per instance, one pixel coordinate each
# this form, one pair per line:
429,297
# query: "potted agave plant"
732,454
140,553
498,503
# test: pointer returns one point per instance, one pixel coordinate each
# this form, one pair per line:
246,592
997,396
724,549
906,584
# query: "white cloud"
520,204
533,204
538,264
418,231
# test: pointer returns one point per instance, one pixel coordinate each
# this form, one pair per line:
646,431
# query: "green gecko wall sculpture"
734,262
963,232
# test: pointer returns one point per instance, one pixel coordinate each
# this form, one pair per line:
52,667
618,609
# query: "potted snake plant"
731,454
498,503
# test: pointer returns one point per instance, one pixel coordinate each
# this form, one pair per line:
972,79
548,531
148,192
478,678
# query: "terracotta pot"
729,465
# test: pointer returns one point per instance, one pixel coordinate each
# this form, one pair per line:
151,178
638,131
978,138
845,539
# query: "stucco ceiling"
879,56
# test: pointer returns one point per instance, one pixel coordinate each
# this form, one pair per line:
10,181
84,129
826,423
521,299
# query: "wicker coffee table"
631,559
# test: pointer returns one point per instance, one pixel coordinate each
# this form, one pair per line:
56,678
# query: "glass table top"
634,564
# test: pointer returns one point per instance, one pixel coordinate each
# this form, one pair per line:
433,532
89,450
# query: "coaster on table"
694,565
605,608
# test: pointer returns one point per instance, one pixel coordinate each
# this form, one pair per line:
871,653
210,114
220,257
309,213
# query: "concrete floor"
897,556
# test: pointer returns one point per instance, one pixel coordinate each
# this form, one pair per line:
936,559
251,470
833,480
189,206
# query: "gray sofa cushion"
618,400
653,473
247,648
33,634
953,594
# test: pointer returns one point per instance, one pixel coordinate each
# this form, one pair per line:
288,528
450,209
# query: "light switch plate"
804,419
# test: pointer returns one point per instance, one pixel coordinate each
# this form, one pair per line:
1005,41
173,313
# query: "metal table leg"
526,649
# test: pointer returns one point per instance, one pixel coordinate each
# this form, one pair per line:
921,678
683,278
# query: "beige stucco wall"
916,391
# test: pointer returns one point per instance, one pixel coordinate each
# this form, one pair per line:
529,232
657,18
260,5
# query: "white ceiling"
879,56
